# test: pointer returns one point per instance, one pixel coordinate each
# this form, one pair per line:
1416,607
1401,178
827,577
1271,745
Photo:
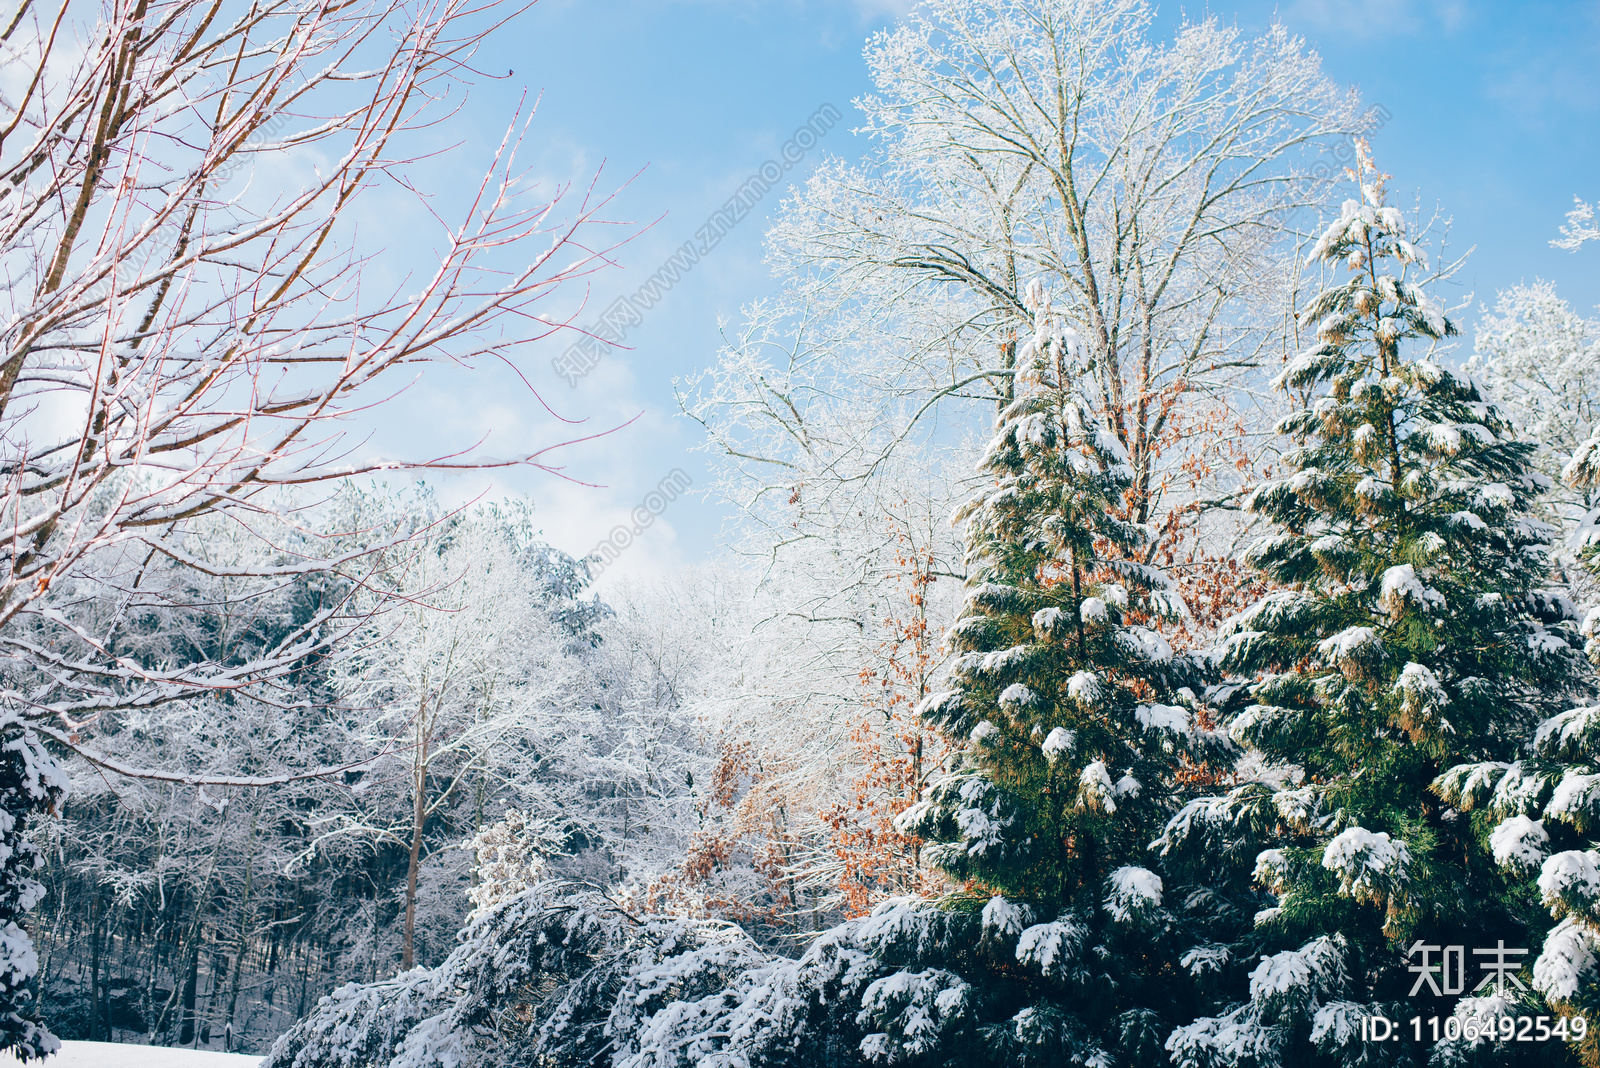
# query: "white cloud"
1370,20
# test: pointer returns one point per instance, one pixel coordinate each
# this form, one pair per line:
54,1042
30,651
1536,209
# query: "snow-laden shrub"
559,976
533,966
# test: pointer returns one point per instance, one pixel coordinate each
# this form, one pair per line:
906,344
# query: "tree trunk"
244,939
110,945
419,813
186,1028
419,816
94,967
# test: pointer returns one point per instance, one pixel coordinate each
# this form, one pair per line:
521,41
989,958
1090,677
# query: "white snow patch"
1420,692
128,1055
1316,961
1047,621
1347,643
1004,659
1295,807
1494,495
1084,687
1003,918
1145,644
1134,891
1369,865
1202,959
1059,743
1016,696
1340,1020
1571,877
1271,866
1400,584
1574,797
1169,718
1051,945
1568,955
1519,842
1573,727
1095,789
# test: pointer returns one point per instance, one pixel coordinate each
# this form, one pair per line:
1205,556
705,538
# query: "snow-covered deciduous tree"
148,376
809,671
1412,638
189,310
868,857
1148,183
499,689
1579,228
449,685
1541,362
187,913
143,874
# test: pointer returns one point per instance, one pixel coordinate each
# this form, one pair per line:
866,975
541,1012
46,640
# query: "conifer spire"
1072,718
1408,631
1070,704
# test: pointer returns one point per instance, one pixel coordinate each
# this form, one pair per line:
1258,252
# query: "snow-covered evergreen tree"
1073,718
1538,815
1408,633
1056,679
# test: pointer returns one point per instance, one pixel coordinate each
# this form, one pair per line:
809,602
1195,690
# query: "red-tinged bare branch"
191,319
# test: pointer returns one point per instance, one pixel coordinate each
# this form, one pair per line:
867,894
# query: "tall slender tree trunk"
94,967
419,815
407,952
244,933
110,945
305,981
190,982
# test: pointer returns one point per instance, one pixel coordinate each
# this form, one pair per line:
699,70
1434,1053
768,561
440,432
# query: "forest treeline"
216,915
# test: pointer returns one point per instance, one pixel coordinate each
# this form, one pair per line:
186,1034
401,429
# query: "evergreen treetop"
1072,720
1072,708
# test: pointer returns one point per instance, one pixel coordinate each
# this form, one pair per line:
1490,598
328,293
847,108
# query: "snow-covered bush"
558,976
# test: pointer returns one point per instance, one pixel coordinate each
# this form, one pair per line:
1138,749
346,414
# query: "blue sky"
1494,106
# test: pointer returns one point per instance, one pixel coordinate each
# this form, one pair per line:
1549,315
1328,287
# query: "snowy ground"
118,1055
